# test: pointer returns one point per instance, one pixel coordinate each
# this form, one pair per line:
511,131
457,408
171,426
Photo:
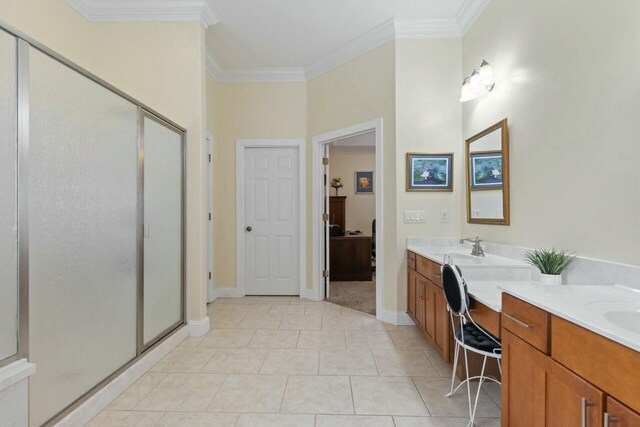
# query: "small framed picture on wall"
364,182
429,172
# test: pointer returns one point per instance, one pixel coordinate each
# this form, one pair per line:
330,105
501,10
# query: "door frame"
241,146
211,292
318,143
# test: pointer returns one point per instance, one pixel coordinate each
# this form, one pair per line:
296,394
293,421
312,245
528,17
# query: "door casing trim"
317,145
241,145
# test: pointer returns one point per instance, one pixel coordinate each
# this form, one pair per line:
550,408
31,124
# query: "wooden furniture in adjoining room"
556,373
338,210
350,258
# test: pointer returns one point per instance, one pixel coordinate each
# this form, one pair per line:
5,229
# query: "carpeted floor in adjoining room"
359,296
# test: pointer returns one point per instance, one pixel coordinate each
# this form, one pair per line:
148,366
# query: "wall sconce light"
481,80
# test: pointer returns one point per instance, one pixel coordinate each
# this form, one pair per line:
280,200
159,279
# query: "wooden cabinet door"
523,383
420,301
619,415
429,311
411,289
568,396
442,328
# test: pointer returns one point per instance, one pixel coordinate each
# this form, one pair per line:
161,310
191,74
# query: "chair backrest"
455,289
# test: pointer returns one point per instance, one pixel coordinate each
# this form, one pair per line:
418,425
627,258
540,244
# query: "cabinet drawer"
411,255
526,321
411,264
485,317
429,269
606,364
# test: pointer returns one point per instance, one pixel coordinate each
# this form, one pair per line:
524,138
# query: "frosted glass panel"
163,228
8,197
82,235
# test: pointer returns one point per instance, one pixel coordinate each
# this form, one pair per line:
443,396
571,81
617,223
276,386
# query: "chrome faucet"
476,250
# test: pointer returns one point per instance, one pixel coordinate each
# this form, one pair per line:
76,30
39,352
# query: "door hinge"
209,216
325,217
325,273
325,161
209,158
209,275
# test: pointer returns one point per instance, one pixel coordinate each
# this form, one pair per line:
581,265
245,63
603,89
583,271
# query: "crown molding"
468,13
261,75
367,42
146,10
251,75
427,28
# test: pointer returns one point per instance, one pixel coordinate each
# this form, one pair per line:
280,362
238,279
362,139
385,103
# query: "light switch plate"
414,217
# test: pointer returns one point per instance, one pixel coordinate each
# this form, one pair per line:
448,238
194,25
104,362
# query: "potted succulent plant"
336,183
551,264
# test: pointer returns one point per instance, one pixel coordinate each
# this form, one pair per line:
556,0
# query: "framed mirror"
487,159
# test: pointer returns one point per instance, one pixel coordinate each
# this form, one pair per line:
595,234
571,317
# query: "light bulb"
486,77
467,94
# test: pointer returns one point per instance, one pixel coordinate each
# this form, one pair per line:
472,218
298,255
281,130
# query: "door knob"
249,228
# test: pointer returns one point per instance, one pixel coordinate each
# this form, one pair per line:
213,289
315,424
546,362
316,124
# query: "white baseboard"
310,295
397,318
198,328
103,397
227,293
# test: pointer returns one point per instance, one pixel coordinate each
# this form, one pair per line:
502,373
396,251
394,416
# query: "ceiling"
300,39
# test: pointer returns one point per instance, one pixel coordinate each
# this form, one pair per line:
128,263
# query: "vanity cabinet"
426,302
558,374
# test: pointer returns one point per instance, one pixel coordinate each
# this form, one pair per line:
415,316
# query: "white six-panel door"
271,212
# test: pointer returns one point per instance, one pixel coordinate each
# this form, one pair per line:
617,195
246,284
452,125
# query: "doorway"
270,227
351,244
321,216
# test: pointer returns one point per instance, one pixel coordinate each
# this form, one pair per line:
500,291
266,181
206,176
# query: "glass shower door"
83,254
162,289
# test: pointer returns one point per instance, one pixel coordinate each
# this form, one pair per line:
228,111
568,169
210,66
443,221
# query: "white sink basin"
624,314
629,320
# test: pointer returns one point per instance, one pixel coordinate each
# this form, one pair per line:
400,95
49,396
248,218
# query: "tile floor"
283,361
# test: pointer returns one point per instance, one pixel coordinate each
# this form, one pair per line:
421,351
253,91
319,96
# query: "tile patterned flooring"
283,361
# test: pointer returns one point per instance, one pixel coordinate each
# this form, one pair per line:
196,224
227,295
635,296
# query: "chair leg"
475,405
455,368
466,367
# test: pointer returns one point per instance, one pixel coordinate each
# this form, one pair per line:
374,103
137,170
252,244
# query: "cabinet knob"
249,229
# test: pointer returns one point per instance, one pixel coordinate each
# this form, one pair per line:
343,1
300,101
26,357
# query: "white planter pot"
550,279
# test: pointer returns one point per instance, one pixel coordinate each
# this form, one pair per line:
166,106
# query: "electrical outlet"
444,216
414,217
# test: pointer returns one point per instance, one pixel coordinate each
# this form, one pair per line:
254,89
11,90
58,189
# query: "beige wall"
245,110
567,80
160,64
358,91
428,120
360,208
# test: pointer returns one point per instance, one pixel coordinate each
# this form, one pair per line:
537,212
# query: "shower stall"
91,226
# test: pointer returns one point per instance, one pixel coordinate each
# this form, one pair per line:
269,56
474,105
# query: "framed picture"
429,172
486,170
364,182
